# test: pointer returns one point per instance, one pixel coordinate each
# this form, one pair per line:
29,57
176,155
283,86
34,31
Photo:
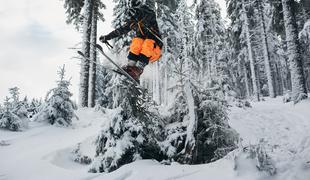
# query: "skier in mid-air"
147,44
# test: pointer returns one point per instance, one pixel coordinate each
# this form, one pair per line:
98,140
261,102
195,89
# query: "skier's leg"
133,67
134,52
147,50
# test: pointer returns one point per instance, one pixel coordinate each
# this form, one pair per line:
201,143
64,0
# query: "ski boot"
134,69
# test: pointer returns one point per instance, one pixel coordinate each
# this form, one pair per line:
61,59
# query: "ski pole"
108,44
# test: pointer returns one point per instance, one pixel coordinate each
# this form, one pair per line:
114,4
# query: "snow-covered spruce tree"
299,91
14,116
199,130
132,132
58,108
8,119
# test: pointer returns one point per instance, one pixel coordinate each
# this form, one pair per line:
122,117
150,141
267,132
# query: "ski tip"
98,46
80,53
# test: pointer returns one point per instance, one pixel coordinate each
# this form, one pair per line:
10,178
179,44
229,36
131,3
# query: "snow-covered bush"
263,161
58,108
242,103
131,132
211,137
287,97
79,157
13,115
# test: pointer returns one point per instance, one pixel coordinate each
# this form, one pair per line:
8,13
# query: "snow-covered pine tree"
14,115
58,108
8,119
299,91
132,132
198,131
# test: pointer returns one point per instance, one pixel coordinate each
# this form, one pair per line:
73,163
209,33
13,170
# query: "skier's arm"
119,31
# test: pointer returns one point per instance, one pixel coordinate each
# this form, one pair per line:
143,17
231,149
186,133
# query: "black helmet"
134,3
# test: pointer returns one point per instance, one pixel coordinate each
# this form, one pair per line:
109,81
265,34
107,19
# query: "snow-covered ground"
44,152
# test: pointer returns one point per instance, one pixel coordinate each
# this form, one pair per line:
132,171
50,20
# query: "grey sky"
35,41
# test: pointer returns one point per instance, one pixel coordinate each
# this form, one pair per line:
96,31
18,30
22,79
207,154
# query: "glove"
103,39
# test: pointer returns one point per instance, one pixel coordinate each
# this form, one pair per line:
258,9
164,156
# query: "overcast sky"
35,41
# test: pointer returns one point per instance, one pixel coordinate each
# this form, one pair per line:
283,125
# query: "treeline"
270,47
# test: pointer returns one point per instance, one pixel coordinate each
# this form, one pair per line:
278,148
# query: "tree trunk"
250,53
190,148
93,57
246,80
299,90
266,51
278,80
84,73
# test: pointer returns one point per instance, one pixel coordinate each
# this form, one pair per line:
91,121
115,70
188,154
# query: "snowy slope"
43,152
286,130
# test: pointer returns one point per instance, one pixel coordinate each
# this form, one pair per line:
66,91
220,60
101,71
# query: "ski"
119,70
110,69
116,65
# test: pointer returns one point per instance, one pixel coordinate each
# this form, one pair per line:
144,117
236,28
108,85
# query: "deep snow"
43,152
